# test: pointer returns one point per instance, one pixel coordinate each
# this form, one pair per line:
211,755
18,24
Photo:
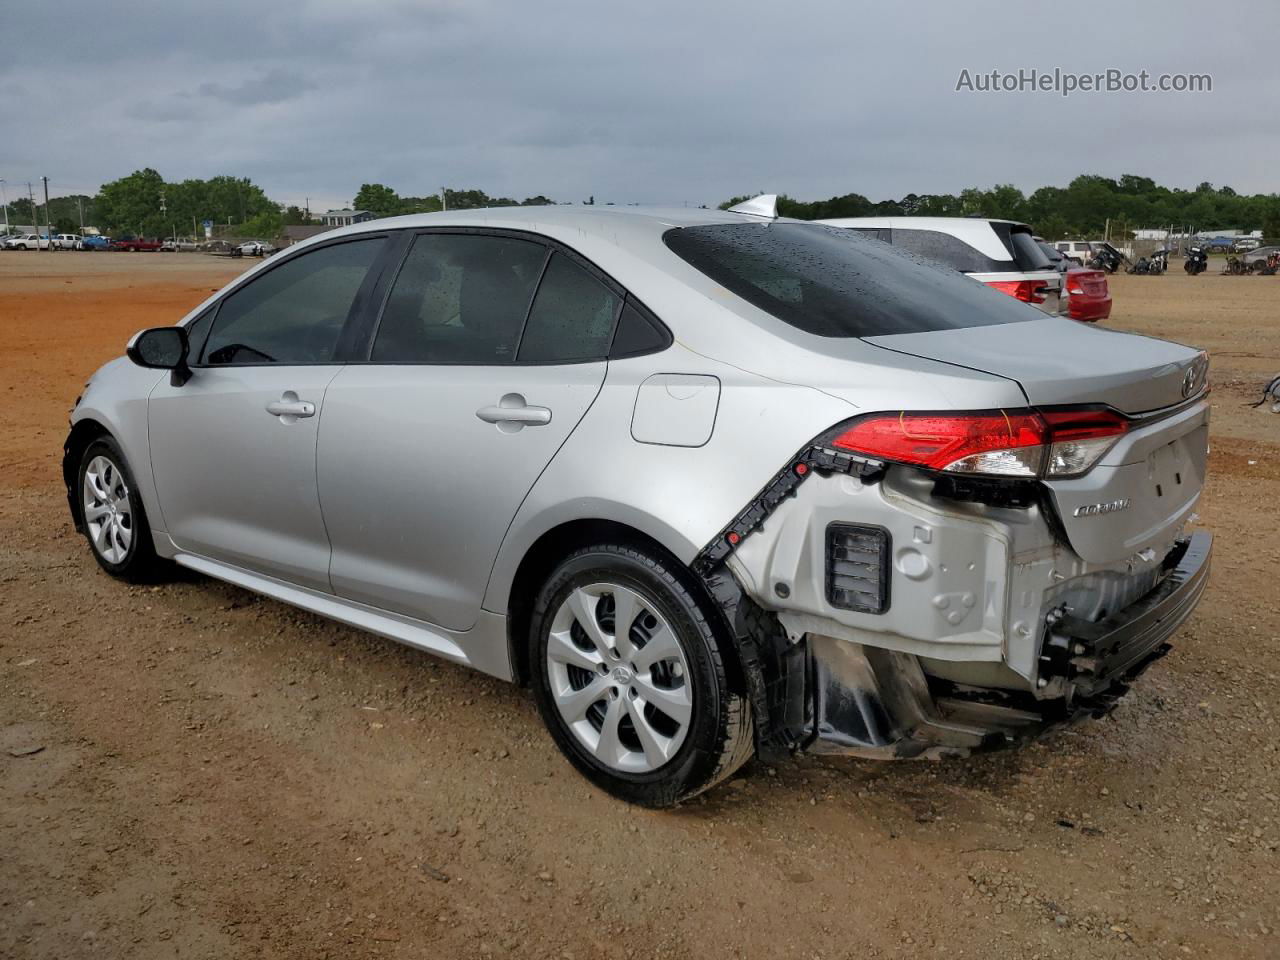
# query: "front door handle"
512,413
289,408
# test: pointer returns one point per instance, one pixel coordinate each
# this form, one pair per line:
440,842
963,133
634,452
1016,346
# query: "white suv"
1001,253
66,241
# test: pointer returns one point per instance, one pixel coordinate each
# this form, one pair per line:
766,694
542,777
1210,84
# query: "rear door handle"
513,410
290,408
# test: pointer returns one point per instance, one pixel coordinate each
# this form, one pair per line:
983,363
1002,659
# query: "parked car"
713,483
1057,259
28,241
1259,256
174,245
1088,294
94,242
1000,253
135,244
252,248
64,241
1245,245
1081,251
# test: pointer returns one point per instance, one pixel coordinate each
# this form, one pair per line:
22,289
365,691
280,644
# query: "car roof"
603,221
613,237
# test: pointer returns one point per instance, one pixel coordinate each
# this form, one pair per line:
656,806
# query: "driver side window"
295,312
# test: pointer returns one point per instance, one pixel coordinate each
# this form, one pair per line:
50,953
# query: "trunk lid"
1058,361
1139,496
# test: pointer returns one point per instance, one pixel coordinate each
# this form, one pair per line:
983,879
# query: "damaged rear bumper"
871,702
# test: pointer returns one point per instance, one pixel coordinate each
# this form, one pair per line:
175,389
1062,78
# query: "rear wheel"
629,678
115,522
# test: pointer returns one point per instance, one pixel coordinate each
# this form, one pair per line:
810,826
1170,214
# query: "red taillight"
1028,291
1084,424
1016,443
952,441
1079,438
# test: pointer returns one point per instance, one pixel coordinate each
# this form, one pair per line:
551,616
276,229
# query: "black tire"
720,734
139,563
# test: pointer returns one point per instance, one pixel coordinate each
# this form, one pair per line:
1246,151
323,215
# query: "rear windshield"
835,283
1027,254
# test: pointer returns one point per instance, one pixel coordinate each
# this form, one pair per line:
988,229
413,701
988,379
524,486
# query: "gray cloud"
274,86
658,102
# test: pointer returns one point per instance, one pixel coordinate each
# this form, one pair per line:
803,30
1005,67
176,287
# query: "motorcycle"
1235,267
1107,258
1159,261
1197,261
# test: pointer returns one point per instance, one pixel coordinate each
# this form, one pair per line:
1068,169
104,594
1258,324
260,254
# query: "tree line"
383,201
1083,208
144,204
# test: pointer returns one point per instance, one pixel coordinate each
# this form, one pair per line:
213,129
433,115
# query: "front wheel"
114,520
630,680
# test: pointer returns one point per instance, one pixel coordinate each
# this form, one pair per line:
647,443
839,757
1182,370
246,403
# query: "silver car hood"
1056,360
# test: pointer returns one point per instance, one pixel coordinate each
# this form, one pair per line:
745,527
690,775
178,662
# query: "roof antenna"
765,205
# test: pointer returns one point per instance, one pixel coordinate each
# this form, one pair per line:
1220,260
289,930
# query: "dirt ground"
221,776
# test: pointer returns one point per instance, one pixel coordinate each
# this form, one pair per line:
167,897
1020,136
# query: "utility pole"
444,199
5,200
35,221
48,227
80,204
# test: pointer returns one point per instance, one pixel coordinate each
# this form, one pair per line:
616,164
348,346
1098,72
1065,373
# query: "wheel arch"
557,543
83,433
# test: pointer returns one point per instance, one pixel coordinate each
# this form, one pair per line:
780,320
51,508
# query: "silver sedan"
714,484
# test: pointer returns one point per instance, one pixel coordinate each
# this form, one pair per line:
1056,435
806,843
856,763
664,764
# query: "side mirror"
162,348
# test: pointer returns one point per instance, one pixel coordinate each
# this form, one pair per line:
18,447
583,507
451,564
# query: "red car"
1088,295
132,244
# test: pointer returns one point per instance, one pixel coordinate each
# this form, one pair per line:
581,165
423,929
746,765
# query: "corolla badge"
1097,509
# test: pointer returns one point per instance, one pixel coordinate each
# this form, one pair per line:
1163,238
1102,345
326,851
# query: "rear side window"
459,298
293,313
946,249
639,332
833,283
572,316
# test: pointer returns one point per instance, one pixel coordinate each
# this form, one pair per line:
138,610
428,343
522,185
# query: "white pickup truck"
27,241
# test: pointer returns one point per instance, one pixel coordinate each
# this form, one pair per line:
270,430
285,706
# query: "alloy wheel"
107,513
619,677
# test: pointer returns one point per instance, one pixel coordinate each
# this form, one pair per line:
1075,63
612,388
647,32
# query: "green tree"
379,200
131,205
265,226
427,204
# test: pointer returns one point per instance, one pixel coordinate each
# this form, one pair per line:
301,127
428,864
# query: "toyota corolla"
712,483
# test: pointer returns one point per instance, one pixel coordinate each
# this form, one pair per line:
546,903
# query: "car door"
233,448
488,352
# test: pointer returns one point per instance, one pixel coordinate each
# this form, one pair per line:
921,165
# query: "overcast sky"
650,101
